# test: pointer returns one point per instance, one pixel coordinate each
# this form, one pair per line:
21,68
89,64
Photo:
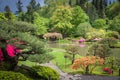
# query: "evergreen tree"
19,6
70,2
31,8
81,3
13,32
8,14
100,7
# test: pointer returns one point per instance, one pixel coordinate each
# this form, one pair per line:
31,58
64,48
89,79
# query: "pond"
83,49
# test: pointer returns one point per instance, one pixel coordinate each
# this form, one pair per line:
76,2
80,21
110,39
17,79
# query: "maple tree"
88,63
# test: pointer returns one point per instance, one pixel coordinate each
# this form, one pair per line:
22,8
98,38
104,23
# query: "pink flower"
108,70
10,50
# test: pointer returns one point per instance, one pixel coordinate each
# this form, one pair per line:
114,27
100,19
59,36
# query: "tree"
115,23
95,33
82,29
19,6
72,50
2,17
61,20
82,3
100,24
100,50
14,33
79,16
91,12
8,14
113,10
31,8
100,7
88,63
41,24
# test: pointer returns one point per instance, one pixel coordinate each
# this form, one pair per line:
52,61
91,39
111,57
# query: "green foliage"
115,24
2,17
23,31
36,45
46,72
19,6
61,19
95,33
7,75
100,7
100,24
113,62
82,29
41,24
111,41
112,34
91,12
113,10
9,29
10,16
79,16
40,58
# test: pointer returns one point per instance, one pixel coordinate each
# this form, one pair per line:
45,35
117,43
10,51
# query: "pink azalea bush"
108,70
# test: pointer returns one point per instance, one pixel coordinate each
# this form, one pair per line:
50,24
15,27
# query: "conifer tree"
13,32
19,6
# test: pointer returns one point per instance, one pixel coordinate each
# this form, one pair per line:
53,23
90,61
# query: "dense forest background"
72,18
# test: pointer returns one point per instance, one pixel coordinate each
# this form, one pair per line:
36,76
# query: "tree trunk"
119,71
73,58
70,2
87,70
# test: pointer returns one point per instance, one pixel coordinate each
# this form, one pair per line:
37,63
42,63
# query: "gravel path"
66,76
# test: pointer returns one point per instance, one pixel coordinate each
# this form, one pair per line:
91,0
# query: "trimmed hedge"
9,75
46,72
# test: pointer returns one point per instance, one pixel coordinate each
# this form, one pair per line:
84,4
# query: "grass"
27,63
66,66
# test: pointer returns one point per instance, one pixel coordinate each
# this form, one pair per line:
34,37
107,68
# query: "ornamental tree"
41,24
88,63
61,19
73,50
100,24
22,32
115,23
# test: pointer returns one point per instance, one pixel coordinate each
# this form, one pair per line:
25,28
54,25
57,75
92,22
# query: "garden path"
66,76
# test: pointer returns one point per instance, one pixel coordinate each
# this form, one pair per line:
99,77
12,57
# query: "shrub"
95,33
8,75
114,34
107,70
46,72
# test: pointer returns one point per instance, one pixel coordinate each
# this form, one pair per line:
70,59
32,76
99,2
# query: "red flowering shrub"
108,70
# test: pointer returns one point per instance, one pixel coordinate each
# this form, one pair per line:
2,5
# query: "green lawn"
27,63
66,66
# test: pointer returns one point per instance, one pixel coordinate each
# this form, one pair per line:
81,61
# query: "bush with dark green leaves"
114,34
46,72
8,75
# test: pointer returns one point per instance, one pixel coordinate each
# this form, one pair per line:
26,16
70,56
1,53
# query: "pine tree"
70,2
31,8
14,32
100,7
7,12
19,6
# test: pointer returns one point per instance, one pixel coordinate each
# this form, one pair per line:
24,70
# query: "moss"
46,72
9,75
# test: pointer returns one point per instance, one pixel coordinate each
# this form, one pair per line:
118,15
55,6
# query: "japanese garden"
60,40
